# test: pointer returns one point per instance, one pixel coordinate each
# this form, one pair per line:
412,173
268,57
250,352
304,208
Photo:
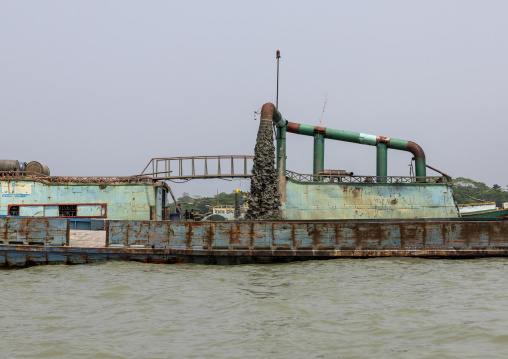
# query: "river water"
347,308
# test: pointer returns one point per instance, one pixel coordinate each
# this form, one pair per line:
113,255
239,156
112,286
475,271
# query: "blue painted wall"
322,200
124,200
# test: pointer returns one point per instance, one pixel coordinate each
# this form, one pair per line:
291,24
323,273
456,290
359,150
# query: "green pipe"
342,135
269,111
306,130
281,150
381,162
363,138
420,168
319,153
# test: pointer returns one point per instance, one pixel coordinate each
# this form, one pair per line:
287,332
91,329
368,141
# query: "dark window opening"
68,210
14,211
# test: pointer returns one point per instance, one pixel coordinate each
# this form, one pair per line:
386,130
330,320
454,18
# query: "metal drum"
9,165
37,167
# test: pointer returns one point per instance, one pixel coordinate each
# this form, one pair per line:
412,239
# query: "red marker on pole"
277,99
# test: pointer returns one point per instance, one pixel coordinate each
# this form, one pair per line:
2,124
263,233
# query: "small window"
14,211
67,210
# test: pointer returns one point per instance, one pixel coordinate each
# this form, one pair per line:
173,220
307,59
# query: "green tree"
467,190
203,204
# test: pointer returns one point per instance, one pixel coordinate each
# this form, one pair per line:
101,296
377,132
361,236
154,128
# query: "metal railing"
220,172
365,179
12,175
199,167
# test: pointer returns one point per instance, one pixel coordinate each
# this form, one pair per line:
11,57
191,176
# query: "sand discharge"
264,201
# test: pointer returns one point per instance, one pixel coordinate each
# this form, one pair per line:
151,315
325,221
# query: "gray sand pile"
264,202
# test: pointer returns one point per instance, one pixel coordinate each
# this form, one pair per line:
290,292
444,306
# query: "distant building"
228,211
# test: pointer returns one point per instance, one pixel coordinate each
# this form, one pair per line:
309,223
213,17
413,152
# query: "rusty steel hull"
25,256
253,242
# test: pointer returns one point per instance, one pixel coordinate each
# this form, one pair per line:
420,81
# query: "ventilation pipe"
382,144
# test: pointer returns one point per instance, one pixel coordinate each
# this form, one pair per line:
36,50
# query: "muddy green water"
376,308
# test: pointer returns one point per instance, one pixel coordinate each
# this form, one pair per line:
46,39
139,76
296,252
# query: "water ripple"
376,308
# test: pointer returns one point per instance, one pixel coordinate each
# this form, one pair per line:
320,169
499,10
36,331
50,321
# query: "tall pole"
277,99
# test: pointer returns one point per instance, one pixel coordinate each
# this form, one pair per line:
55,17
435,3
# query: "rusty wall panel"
138,233
313,236
285,238
158,234
233,235
337,200
181,235
117,232
42,231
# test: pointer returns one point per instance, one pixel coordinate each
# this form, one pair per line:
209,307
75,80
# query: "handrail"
12,175
366,179
199,167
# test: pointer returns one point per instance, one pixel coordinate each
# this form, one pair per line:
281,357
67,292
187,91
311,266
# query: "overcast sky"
101,87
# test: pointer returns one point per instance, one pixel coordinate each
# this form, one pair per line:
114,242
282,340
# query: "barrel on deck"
37,167
9,165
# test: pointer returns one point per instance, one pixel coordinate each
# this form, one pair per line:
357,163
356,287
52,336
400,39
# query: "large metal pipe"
269,112
363,138
319,154
381,162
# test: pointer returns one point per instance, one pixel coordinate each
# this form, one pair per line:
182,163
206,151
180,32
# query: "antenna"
322,113
277,54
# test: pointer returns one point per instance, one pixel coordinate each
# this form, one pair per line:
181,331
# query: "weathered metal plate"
41,231
336,200
255,242
293,235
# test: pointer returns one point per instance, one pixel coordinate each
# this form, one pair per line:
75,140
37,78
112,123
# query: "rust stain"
210,233
313,233
319,130
394,201
383,139
336,232
293,127
272,235
188,234
234,234
356,192
424,237
293,236
251,234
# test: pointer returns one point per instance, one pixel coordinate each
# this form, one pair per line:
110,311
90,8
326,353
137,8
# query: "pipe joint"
416,150
319,130
384,140
366,139
270,112
293,127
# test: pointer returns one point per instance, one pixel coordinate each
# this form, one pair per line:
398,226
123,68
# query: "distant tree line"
467,190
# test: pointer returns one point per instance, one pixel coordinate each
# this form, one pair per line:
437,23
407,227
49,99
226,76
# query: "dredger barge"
324,215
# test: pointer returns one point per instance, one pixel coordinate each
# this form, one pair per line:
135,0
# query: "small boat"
482,210
496,213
